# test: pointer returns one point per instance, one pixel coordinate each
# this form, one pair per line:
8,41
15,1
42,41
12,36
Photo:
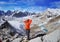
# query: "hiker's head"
27,19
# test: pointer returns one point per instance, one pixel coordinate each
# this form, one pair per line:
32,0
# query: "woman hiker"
27,27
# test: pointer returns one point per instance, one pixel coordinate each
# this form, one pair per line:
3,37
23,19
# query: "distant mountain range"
15,13
2,13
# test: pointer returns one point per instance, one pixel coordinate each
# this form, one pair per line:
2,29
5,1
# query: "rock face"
52,37
17,40
38,39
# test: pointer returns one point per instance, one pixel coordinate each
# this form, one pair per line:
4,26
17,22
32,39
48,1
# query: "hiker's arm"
30,21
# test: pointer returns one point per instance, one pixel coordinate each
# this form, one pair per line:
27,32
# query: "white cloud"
55,4
29,9
27,2
34,9
2,2
0,8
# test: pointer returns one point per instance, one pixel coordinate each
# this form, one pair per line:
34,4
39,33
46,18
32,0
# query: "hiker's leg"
28,34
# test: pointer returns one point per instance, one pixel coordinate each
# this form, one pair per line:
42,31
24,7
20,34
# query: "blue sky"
29,5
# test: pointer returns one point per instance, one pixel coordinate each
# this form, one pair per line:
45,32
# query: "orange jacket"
27,24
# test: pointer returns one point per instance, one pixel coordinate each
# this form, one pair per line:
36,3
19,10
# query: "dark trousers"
28,34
